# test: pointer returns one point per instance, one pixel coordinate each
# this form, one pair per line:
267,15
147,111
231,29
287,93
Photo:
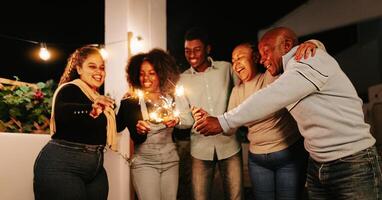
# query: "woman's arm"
128,116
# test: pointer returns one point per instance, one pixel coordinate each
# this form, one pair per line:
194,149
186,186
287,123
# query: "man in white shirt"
208,85
343,162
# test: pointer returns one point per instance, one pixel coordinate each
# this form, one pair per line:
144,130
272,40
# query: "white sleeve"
290,87
186,119
318,43
232,103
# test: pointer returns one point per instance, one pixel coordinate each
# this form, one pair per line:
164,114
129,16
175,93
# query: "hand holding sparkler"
143,127
171,123
100,104
198,113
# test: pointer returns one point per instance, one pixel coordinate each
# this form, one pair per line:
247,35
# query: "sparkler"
142,104
179,92
161,112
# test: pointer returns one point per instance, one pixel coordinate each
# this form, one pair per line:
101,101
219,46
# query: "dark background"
63,25
67,25
228,22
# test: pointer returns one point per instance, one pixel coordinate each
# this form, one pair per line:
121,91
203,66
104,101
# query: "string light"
44,53
136,44
103,52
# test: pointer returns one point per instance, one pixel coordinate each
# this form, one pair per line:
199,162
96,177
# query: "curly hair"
77,59
164,65
133,70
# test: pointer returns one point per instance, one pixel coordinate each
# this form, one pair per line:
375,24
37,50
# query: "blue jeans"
66,170
231,171
357,176
184,189
279,175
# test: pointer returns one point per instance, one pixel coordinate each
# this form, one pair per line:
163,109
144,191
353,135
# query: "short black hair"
197,33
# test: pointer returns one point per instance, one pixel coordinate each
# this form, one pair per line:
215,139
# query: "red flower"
39,95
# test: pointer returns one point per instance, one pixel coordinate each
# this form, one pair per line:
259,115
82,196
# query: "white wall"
320,15
144,18
18,152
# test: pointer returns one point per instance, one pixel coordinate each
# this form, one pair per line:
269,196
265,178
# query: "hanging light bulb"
136,44
44,53
103,52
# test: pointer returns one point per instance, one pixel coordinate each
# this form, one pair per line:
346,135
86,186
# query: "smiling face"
243,63
92,71
196,54
273,45
148,78
271,52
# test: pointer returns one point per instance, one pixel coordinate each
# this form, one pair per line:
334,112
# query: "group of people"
304,118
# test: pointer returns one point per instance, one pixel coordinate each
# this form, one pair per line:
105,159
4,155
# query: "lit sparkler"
179,92
160,112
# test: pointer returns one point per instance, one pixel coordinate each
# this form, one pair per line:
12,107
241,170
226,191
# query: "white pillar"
144,18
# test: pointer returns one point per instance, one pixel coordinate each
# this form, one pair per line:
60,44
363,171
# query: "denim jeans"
357,176
66,170
231,171
155,183
155,171
279,175
184,189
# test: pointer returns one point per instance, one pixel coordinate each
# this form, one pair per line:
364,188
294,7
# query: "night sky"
63,25
67,25
228,22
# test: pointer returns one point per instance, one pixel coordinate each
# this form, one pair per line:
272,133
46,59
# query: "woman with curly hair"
70,166
155,162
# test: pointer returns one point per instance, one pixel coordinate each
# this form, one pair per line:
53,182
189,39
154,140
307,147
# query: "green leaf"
25,88
19,92
15,112
41,85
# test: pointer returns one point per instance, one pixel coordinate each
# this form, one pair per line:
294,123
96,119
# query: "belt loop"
102,148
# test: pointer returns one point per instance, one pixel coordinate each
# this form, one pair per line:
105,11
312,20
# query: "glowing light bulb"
140,93
104,53
176,113
44,53
136,44
154,117
179,90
